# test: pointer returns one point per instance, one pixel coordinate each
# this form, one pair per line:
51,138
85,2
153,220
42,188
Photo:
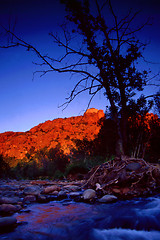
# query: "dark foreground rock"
7,223
9,209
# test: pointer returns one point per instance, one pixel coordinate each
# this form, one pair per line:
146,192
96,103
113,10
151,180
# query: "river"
137,219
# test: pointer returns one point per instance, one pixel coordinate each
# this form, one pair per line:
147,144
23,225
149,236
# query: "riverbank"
67,220
119,179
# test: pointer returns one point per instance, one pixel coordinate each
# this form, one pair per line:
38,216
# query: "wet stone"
108,199
89,194
7,209
7,200
74,195
51,189
33,190
29,198
6,223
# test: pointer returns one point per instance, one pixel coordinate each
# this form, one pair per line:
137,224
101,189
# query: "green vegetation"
52,164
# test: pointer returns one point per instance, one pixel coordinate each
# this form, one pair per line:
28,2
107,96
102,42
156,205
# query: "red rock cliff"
50,133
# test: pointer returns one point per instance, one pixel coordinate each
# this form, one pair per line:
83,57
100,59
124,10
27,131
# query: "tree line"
143,142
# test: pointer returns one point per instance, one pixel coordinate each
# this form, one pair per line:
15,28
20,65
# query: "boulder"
7,222
51,189
7,200
72,188
29,198
9,209
33,190
108,199
89,194
9,193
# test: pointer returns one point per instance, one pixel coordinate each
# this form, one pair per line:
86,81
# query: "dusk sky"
24,102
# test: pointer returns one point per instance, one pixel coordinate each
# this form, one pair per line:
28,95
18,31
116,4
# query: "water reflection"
128,220
57,212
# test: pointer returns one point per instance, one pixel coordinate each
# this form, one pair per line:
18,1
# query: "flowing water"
66,220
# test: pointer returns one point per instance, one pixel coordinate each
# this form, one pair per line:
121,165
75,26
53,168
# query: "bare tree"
102,49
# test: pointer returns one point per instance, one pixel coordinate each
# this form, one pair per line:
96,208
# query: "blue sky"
24,102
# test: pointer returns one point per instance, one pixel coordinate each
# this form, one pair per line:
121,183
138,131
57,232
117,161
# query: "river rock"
42,199
7,200
29,198
75,194
9,193
33,190
108,199
73,188
133,166
51,189
7,222
89,194
62,195
9,209
55,193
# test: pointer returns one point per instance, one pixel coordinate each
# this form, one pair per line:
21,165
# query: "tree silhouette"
4,167
101,50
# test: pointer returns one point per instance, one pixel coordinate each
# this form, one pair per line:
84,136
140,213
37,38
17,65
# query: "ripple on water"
124,220
124,234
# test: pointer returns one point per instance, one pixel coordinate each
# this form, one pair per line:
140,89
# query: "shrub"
4,168
58,175
76,167
83,166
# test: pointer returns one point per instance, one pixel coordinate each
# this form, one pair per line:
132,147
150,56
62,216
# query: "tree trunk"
119,141
124,131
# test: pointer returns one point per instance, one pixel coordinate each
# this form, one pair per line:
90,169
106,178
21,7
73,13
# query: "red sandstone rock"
50,133
52,189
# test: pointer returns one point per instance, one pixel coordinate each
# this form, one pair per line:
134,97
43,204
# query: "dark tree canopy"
101,50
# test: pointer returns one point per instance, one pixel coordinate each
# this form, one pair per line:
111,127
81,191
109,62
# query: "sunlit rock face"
95,111
58,132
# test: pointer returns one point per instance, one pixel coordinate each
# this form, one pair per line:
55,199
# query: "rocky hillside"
49,134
